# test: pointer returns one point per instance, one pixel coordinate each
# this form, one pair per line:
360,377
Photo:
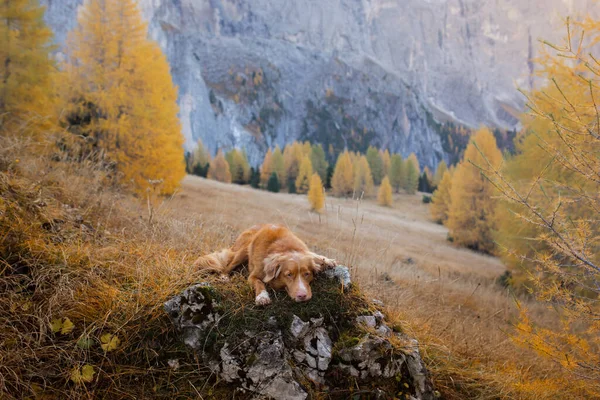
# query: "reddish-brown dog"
275,256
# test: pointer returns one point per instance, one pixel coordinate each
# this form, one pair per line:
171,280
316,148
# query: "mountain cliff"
345,73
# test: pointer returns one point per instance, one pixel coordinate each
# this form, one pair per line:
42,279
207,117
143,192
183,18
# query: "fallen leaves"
109,342
63,326
84,374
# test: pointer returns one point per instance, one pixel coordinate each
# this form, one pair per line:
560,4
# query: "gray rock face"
253,74
302,356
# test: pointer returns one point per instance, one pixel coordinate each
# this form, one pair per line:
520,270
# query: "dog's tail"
217,261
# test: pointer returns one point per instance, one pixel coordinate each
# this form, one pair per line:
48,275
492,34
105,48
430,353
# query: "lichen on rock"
335,343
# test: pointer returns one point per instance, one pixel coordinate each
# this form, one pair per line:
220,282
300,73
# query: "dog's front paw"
263,299
328,263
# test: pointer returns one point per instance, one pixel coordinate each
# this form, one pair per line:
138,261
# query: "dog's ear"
272,267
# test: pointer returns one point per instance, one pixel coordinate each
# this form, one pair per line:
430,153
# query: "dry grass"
445,296
71,247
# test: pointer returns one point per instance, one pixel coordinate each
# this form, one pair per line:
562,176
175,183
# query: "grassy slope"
446,296
72,248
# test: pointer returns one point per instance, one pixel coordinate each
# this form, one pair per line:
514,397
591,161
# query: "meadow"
76,247
447,297
100,225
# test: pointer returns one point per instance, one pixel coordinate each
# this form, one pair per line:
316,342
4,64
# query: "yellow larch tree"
120,96
440,201
412,173
354,157
363,180
26,68
342,181
242,175
292,157
384,196
316,194
550,223
219,169
376,164
278,165
266,168
397,175
304,175
472,212
386,160
306,149
238,166
439,173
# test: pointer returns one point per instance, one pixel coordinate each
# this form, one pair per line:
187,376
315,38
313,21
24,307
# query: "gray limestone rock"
345,72
279,357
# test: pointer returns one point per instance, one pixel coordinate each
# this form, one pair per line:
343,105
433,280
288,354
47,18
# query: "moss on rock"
293,350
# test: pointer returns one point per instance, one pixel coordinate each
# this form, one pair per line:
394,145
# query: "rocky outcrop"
349,73
335,343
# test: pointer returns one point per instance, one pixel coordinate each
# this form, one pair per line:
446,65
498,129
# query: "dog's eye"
288,274
307,274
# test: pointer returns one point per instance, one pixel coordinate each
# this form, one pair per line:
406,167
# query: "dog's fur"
275,256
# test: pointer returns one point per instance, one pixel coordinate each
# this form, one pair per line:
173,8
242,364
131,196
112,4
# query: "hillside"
101,227
88,268
447,297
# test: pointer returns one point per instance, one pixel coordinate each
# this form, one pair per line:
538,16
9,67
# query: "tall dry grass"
74,246
447,297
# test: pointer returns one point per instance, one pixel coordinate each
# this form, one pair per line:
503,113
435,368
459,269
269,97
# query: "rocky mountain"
346,73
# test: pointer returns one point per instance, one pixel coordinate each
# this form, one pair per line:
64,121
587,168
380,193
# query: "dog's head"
293,271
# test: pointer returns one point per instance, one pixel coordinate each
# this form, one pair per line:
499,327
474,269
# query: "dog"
275,257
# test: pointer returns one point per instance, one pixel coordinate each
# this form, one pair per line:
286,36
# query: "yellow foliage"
397,173
316,194
440,201
385,158
278,166
363,180
342,181
550,223
266,168
219,169
376,164
306,149
472,210
120,81
109,342
439,173
83,375
384,196
238,166
304,176
63,326
292,156
25,68
412,172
